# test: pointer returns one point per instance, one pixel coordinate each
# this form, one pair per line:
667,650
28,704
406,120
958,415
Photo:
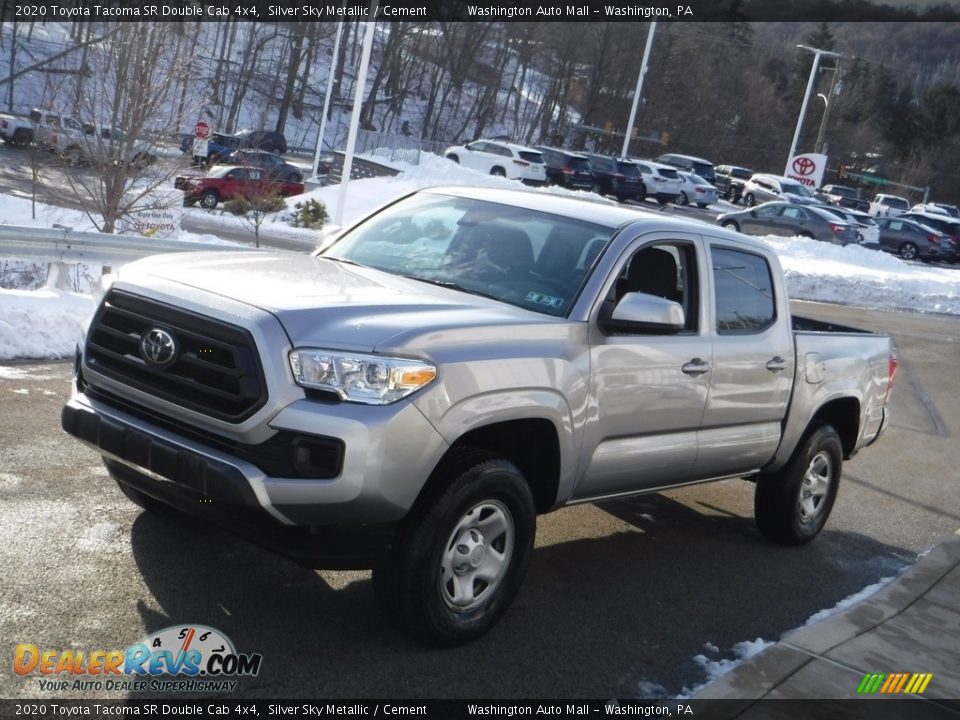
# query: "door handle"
696,367
776,364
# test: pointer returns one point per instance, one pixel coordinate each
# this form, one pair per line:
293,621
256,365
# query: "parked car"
695,189
565,168
658,180
912,240
790,219
937,208
884,205
729,181
613,176
844,196
269,140
272,163
696,165
867,229
409,399
495,157
228,182
761,188
941,223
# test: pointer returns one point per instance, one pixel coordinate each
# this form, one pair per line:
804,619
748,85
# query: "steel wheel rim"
815,487
477,555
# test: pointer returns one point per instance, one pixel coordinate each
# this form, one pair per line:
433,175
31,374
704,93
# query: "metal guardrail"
61,247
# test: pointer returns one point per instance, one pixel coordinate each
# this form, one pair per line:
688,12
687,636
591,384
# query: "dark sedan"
912,240
277,168
566,168
790,219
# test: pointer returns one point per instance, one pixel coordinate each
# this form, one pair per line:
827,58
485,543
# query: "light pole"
806,98
639,90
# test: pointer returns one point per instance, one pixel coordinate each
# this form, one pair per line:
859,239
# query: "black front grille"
215,371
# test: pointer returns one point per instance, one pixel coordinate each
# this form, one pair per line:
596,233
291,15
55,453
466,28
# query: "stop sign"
201,130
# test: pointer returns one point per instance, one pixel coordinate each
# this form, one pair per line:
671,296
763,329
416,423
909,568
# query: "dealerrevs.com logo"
192,658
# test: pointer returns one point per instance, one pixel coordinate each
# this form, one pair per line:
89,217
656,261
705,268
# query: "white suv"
659,180
888,205
495,157
762,188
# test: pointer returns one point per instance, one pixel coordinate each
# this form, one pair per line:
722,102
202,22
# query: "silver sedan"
694,189
790,219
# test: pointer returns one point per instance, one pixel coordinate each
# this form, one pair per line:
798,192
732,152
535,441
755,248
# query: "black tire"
454,158
642,196
908,251
731,225
209,199
805,234
441,540
73,155
749,200
276,151
792,505
702,206
682,199
597,189
498,172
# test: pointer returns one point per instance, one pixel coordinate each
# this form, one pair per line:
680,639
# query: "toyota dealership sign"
807,169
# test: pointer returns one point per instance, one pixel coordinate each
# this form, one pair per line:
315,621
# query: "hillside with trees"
729,91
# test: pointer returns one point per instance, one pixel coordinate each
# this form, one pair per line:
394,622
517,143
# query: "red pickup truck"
228,182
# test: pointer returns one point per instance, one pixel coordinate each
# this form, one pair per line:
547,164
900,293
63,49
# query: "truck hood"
333,304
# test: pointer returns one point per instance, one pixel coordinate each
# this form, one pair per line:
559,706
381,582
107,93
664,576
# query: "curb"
757,677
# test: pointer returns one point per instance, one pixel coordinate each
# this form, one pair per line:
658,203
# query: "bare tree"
132,100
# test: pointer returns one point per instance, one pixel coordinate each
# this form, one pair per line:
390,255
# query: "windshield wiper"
450,285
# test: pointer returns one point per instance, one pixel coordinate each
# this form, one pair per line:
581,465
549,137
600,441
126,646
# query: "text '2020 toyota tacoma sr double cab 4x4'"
410,398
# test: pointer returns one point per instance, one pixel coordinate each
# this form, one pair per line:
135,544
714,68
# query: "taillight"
891,374
933,238
838,229
700,190
521,163
567,170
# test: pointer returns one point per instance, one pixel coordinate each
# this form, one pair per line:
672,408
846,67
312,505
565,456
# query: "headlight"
368,379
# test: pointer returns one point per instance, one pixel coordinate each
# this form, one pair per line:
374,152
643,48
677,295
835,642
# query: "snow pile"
41,323
742,651
849,601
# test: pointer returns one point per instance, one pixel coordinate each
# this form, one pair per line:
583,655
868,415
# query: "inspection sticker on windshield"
541,299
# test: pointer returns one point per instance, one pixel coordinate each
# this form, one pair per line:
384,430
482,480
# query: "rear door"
753,363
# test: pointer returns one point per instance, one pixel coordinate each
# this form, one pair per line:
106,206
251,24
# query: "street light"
806,97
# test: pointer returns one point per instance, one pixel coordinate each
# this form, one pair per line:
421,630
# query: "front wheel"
461,555
731,225
749,200
209,199
792,504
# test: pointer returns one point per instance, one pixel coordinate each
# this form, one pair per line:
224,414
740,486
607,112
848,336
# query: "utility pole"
806,98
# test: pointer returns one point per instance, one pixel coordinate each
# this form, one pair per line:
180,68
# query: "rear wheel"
597,189
461,555
792,505
909,251
749,200
454,158
682,199
22,136
731,225
498,172
805,234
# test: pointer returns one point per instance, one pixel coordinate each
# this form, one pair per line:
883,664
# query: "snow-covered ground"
45,323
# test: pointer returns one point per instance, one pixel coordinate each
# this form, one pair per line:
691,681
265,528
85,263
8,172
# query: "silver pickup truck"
410,398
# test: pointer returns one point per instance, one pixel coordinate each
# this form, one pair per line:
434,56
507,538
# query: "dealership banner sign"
807,169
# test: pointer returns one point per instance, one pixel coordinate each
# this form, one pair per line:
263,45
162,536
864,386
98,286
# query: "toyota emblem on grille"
158,346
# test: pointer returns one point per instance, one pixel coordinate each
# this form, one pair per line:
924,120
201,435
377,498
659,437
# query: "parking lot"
620,597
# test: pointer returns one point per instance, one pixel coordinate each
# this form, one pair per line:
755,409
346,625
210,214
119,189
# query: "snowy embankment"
45,323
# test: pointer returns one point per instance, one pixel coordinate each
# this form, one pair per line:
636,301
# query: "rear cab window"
743,291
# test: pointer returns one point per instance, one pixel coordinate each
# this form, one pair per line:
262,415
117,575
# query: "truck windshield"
519,256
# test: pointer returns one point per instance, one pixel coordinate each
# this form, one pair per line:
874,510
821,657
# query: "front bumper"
346,521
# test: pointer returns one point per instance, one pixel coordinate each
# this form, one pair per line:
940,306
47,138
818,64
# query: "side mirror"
649,312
